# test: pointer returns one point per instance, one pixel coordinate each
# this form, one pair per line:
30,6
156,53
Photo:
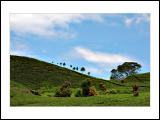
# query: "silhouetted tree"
82,69
77,68
88,73
64,64
74,68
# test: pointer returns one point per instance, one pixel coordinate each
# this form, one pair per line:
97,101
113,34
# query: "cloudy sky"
99,42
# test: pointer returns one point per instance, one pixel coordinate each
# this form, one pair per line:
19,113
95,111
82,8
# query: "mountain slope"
35,74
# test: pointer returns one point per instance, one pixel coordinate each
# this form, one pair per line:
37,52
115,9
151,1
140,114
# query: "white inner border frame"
80,7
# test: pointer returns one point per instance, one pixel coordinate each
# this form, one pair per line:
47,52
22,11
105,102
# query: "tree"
88,73
74,68
129,68
70,66
125,70
64,64
115,74
77,68
82,69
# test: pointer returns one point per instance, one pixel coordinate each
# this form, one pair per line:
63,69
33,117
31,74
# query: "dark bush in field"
34,92
78,93
85,87
135,90
88,89
64,90
135,87
122,81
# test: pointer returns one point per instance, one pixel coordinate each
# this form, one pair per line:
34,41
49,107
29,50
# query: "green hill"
35,74
28,73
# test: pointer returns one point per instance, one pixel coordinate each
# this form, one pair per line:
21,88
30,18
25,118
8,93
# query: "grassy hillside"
36,74
28,73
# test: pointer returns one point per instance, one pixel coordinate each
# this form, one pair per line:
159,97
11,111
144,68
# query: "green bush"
135,90
122,81
85,87
34,92
64,90
135,87
78,93
88,89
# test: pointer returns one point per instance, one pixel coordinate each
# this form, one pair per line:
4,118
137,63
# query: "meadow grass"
102,100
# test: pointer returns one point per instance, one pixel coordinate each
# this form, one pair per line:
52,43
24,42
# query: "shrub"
85,87
78,93
34,92
135,90
86,84
135,93
64,90
92,91
122,81
88,89
135,87
102,86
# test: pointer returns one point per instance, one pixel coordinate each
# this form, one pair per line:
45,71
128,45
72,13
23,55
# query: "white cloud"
128,22
57,25
99,57
19,46
49,24
136,19
142,18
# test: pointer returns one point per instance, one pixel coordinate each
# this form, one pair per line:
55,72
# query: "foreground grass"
102,100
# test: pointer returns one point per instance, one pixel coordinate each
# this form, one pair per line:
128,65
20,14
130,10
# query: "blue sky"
99,42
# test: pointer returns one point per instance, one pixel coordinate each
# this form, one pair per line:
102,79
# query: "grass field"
31,74
103,100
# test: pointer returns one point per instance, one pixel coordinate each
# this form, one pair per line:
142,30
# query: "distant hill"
35,74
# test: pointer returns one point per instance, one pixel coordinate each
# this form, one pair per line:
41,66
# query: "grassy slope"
28,73
36,74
